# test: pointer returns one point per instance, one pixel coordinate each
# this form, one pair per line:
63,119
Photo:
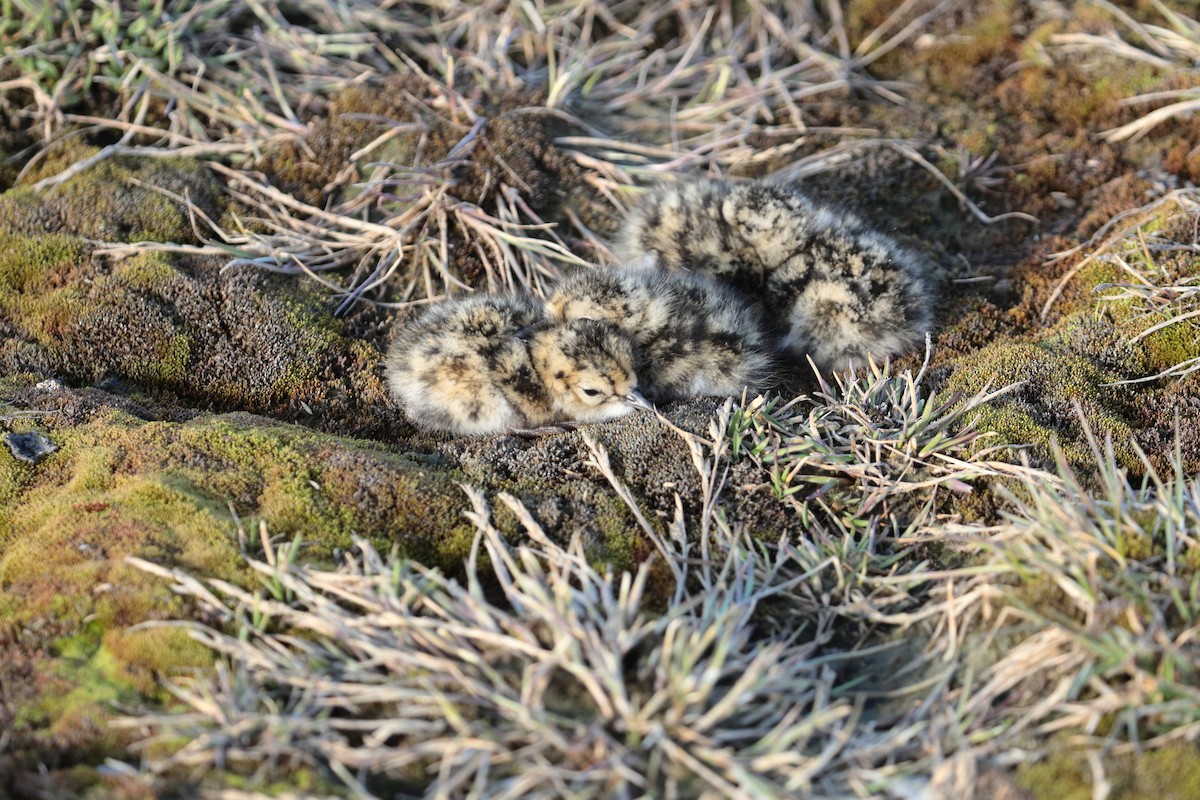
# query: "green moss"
115,200
86,536
1043,407
147,271
144,320
952,62
120,486
169,366
92,468
97,681
300,482
28,264
1171,345
13,477
620,544
298,780
260,468
147,654
317,331
33,271
81,684
1172,773
1164,348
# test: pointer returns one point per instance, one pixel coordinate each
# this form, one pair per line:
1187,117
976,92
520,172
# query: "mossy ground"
1172,773
194,393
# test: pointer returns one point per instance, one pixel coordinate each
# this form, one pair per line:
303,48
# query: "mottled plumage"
833,288
482,364
692,336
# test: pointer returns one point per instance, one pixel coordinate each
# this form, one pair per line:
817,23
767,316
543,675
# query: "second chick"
692,336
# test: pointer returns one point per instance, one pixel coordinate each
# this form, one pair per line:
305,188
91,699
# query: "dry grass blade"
1102,240
1174,47
1143,125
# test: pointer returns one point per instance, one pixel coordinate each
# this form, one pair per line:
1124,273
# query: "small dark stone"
29,447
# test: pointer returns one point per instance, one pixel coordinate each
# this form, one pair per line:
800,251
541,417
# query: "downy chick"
833,288
692,336
481,364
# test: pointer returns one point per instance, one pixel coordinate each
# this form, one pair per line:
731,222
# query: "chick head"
596,294
588,369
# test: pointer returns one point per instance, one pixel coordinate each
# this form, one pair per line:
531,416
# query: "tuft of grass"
1124,229
445,192
866,441
566,685
836,662
1123,560
230,73
1173,47
618,96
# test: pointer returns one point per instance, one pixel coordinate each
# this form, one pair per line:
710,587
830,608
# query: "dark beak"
636,400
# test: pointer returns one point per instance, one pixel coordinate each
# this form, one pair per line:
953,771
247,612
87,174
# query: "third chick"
832,287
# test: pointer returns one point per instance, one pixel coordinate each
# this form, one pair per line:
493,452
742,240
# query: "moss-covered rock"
115,200
167,323
1057,392
237,339
168,492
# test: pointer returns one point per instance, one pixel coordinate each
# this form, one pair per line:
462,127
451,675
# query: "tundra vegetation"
971,572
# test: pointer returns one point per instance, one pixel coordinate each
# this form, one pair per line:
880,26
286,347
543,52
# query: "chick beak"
636,400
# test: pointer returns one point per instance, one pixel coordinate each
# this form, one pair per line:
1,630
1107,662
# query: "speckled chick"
833,288
692,336
482,364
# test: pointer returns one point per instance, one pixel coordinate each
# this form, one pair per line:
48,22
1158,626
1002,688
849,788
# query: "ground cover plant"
238,572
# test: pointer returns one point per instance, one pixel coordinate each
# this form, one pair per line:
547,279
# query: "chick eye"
592,392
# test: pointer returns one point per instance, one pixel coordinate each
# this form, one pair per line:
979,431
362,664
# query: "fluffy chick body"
482,364
831,287
692,336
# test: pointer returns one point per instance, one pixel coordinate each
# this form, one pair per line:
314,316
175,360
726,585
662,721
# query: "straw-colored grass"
1172,46
238,81
833,662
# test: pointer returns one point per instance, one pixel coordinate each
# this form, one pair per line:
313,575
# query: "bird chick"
833,288
481,364
692,336
588,371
